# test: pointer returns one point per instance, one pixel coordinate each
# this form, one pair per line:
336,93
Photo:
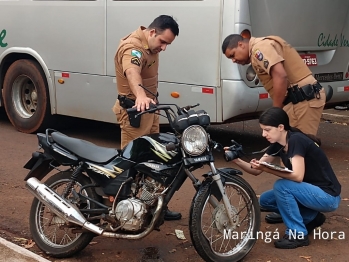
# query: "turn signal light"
246,34
175,94
61,81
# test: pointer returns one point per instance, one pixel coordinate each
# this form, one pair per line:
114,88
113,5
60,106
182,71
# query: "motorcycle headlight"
194,140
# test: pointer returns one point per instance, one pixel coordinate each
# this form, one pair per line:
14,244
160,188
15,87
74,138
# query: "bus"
57,57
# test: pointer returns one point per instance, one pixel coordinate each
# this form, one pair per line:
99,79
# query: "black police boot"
273,218
171,215
290,242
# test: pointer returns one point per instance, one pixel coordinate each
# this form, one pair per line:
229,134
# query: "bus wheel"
26,97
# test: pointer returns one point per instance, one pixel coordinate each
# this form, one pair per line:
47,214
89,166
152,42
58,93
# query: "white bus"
56,57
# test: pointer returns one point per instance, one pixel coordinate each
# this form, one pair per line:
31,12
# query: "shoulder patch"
266,63
135,61
258,54
136,53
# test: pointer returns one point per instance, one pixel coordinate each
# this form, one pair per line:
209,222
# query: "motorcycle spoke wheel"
214,236
52,234
227,238
53,229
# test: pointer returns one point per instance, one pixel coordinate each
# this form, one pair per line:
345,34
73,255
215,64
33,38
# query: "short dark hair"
163,22
231,41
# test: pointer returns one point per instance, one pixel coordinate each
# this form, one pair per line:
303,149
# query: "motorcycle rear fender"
39,166
227,174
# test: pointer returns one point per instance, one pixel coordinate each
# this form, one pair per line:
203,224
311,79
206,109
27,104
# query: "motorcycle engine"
131,213
149,189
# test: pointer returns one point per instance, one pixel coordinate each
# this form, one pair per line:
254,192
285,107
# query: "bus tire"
26,97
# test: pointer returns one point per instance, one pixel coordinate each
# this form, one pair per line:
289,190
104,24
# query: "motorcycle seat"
85,149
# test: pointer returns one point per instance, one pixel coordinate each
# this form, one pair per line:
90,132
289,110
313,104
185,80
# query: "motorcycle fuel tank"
152,148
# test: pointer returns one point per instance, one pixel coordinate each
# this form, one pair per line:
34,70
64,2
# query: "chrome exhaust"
60,206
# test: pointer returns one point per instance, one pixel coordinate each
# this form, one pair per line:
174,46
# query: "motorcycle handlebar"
153,108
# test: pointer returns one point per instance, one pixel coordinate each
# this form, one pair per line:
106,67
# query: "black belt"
297,94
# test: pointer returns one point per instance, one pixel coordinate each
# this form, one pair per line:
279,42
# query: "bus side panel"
83,102
238,99
315,27
190,95
298,22
86,96
193,57
191,60
68,35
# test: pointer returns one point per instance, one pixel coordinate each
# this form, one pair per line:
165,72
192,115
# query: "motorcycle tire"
51,233
212,234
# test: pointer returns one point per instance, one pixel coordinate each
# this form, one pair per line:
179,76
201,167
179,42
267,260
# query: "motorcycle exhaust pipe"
59,206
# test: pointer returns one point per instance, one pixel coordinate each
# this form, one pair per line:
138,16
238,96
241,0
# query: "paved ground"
12,252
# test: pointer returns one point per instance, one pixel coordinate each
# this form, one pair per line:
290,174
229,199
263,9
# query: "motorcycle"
124,194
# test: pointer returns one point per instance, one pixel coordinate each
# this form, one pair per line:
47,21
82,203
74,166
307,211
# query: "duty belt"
126,102
297,94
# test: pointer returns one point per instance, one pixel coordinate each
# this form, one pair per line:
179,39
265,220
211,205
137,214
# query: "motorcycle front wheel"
214,237
52,234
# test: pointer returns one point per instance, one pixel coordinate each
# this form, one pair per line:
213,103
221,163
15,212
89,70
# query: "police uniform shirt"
133,52
266,52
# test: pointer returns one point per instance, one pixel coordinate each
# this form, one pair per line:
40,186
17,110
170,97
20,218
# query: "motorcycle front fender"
39,166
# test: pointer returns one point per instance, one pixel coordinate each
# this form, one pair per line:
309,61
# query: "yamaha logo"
201,159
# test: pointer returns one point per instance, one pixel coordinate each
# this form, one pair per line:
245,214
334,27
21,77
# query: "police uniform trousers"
306,115
149,125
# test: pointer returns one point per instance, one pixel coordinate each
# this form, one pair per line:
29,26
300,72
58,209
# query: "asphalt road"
16,149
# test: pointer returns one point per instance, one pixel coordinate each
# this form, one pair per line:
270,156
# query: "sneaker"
273,218
289,242
316,222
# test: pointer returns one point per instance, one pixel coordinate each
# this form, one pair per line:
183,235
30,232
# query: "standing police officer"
285,76
136,63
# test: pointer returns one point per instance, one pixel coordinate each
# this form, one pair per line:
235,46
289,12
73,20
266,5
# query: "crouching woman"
302,194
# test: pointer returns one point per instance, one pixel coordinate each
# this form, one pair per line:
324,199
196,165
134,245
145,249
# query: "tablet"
276,167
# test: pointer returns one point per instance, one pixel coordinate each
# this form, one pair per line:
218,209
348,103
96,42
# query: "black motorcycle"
124,194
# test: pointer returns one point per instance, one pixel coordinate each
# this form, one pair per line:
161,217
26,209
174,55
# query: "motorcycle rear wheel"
50,232
213,236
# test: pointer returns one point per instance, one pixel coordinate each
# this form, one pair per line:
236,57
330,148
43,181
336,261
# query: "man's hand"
142,103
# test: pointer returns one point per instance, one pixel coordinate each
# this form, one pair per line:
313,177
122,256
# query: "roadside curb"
340,118
21,251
